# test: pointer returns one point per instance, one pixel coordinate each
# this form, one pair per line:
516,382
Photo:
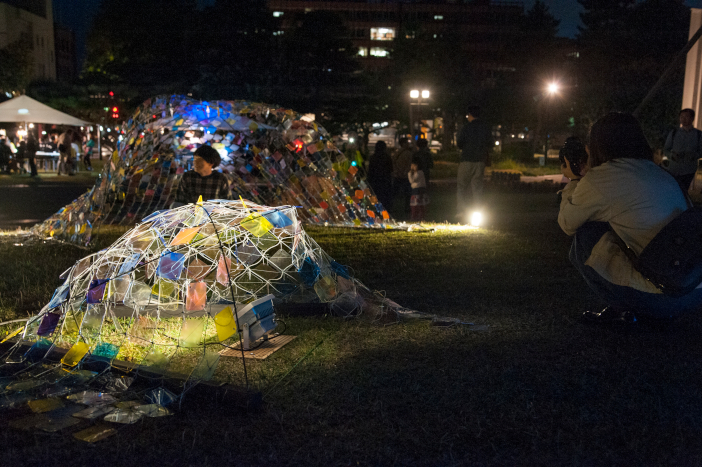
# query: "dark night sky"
77,14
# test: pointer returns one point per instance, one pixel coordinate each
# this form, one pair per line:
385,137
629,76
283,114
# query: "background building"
66,59
30,21
485,28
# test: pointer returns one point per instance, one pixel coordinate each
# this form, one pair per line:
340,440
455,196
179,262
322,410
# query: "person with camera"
683,148
614,211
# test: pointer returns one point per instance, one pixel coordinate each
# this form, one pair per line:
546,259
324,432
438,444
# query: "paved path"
23,204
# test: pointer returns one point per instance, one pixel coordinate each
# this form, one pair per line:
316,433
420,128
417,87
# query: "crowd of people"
400,178
74,148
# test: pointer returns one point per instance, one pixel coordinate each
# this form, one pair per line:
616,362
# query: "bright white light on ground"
497,143
476,218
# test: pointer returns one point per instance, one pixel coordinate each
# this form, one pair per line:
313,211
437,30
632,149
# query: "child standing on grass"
419,200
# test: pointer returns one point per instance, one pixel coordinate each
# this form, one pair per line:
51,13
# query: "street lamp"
415,94
552,89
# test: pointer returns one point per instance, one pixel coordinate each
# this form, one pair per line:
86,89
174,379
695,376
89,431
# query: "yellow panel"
225,323
258,225
75,354
12,334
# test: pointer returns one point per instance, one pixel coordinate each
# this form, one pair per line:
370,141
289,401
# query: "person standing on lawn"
419,199
623,195
424,159
32,148
683,147
380,174
5,155
475,139
401,162
88,152
203,180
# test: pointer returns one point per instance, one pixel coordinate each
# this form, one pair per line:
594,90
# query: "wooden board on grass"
263,351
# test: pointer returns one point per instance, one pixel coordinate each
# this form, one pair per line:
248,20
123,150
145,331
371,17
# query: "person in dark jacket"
424,159
380,174
475,139
203,180
32,148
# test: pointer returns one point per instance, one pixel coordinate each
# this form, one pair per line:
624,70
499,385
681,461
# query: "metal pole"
99,146
411,121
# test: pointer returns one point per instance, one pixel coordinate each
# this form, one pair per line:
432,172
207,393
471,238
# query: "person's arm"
581,203
461,138
668,146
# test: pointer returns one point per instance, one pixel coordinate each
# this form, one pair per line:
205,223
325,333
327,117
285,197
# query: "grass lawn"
537,388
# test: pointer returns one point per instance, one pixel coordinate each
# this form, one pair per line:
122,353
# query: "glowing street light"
415,94
553,88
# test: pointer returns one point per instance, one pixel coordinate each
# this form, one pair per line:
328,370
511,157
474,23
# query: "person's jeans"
654,305
470,176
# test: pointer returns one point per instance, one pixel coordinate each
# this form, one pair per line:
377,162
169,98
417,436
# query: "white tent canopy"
25,109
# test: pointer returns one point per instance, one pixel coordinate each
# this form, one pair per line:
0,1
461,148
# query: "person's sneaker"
609,315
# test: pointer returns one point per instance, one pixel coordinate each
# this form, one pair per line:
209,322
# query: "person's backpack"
672,261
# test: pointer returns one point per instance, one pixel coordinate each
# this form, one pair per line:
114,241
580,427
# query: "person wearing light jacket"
624,193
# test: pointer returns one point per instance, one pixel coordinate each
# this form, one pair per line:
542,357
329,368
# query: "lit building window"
379,52
363,51
438,17
278,14
382,34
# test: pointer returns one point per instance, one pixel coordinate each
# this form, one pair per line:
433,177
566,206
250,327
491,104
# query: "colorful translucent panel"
278,219
75,354
197,269
129,263
224,269
60,296
185,236
225,324
171,265
196,297
48,324
96,291
105,350
155,360
257,225
191,333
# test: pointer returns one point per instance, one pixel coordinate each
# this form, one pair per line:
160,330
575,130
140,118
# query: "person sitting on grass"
623,194
203,180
